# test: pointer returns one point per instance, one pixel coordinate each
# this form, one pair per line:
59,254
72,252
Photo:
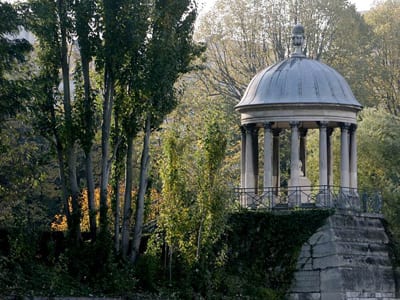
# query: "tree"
13,52
86,18
384,68
239,46
170,53
130,97
211,195
195,194
52,25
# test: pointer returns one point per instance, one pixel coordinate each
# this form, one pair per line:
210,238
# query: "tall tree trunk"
105,150
70,138
143,179
60,158
117,213
88,123
91,198
118,163
64,189
75,196
126,220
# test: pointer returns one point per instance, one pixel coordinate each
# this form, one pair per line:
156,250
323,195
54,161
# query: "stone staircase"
346,259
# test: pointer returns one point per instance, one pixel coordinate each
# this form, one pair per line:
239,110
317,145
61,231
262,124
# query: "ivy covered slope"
254,258
261,251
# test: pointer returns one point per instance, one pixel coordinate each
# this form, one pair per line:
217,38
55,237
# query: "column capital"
249,128
242,129
345,126
323,124
294,124
353,127
268,125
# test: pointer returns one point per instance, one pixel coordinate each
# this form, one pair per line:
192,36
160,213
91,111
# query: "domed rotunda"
297,94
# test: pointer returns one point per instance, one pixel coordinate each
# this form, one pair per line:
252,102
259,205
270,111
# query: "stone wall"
346,259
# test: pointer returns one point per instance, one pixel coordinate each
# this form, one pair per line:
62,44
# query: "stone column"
344,159
294,154
323,155
353,157
323,196
268,155
303,150
293,191
250,180
268,166
330,158
255,157
276,164
250,168
243,157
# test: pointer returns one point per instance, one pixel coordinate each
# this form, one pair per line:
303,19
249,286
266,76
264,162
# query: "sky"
361,5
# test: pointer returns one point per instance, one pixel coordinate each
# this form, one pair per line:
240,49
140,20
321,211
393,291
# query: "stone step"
333,247
351,221
371,279
306,281
377,235
342,261
369,295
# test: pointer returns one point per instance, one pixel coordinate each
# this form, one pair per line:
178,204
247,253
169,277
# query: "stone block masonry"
346,259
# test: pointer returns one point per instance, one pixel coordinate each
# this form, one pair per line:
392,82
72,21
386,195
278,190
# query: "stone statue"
301,173
298,38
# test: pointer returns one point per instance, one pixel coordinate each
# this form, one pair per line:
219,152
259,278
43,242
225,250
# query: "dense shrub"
254,258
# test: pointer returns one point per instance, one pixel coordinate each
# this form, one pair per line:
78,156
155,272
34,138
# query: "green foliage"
192,181
384,70
71,272
378,141
263,248
13,52
253,258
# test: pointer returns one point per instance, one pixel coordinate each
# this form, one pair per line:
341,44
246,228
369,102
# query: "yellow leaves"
59,223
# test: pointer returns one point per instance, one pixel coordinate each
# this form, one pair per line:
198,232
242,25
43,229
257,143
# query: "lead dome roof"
298,80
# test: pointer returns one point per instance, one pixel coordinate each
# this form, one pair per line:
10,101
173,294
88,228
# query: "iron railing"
311,197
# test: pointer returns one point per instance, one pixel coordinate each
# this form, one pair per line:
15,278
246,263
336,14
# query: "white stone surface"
347,259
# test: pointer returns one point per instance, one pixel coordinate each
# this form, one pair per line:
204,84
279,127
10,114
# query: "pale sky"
361,5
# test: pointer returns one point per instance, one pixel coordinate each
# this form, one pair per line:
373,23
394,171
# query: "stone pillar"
303,150
250,152
268,198
344,159
255,157
323,155
294,193
330,158
268,156
294,154
276,164
353,157
243,157
323,199
250,181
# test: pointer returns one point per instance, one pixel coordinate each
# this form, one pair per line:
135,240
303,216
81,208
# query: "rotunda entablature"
308,114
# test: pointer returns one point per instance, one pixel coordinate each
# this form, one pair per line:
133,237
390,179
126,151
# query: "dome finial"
298,39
